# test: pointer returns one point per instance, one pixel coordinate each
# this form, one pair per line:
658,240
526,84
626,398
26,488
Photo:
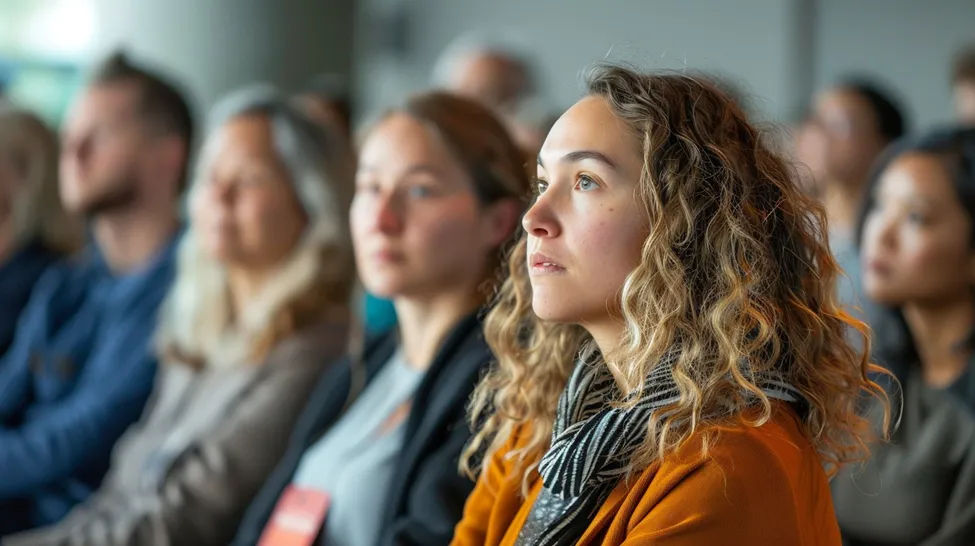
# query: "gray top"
355,460
920,487
207,442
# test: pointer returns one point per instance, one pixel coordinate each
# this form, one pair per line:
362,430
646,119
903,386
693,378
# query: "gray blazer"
185,473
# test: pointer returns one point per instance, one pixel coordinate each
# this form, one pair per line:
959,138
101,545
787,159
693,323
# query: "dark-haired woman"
918,245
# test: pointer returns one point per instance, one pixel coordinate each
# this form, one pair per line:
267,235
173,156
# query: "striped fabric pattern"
593,443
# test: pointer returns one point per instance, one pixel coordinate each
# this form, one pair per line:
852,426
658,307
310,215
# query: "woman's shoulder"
760,470
777,450
318,344
753,484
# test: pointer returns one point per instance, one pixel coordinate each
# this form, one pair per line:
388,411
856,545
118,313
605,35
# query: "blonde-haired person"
259,308
35,231
440,188
673,366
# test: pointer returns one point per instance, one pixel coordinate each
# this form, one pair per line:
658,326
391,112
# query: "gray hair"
503,45
197,319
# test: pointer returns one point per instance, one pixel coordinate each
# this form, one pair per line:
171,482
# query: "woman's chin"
548,312
386,289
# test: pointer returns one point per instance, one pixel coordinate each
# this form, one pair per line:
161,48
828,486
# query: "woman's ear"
501,218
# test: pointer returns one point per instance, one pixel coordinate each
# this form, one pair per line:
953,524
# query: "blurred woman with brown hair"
440,188
672,364
34,229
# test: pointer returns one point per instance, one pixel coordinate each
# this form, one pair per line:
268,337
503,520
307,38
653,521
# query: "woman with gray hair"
259,309
34,229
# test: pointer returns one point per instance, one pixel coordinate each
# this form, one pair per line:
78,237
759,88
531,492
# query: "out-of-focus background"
134,234
779,52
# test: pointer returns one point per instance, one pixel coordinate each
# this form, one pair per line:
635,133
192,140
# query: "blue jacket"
17,278
78,373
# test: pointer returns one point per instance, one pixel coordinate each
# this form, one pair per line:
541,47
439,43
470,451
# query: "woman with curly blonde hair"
673,367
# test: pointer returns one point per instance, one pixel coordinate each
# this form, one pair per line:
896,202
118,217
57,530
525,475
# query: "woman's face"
417,227
586,228
247,214
844,129
917,246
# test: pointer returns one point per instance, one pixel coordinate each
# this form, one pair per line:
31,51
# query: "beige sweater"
209,439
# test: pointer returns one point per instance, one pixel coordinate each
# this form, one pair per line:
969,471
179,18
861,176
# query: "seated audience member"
499,77
963,86
80,367
34,229
918,241
259,308
672,365
851,124
439,189
326,101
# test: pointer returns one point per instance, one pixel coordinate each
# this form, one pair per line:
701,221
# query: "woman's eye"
917,218
540,186
419,192
586,183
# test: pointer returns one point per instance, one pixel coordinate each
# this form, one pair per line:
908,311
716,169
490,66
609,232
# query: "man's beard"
117,198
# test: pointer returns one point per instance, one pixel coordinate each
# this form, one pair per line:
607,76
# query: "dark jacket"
426,495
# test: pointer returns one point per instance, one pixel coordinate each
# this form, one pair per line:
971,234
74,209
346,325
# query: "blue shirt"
78,373
17,278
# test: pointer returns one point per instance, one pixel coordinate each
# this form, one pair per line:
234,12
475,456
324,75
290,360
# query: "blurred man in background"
500,78
81,367
963,85
850,125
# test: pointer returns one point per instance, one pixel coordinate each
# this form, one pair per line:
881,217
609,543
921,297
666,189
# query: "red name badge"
297,518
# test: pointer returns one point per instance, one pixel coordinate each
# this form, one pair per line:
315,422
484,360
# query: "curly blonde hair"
736,273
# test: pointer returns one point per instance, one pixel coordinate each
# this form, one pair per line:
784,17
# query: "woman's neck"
938,332
606,335
425,323
244,286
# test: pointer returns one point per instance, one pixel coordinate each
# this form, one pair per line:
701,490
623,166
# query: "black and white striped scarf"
592,445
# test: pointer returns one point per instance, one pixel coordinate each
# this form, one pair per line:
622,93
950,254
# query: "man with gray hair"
499,75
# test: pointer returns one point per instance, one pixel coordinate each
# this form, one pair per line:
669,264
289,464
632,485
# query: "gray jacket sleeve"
208,488
958,526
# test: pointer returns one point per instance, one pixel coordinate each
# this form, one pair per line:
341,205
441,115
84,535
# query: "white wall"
217,45
908,42
773,47
752,40
783,49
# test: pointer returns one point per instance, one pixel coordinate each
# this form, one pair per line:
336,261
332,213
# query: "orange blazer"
759,485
